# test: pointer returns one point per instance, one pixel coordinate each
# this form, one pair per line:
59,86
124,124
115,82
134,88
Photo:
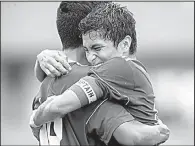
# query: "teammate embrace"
111,100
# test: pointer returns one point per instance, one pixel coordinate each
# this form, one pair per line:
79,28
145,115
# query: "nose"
91,56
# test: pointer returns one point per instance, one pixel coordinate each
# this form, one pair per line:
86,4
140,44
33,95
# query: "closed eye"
97,48
85,49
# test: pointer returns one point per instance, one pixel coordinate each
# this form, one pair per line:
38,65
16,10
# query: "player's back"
75,133
128,81
56,86
62,83
73,124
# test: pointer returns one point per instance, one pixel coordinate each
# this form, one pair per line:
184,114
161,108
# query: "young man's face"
98,50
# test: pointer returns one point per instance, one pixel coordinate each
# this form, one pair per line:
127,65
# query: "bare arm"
55,107
78,95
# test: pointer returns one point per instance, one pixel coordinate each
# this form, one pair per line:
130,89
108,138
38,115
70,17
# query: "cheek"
87,56
104,55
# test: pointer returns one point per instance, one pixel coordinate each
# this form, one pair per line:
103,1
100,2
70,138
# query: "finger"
63,55
61,68
46,64
52,61
57,65
63,59
47,72
52,69
43,61
64,62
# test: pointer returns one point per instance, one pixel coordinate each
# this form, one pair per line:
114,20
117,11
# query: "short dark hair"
113,21
69,14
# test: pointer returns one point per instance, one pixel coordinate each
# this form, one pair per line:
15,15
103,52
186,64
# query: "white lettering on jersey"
46,138
53,140
88,90
43,135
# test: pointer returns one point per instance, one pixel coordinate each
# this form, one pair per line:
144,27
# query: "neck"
71,54
76,54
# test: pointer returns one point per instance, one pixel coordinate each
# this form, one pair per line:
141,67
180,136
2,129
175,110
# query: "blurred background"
165,45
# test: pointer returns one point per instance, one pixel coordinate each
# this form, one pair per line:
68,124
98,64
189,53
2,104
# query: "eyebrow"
96,45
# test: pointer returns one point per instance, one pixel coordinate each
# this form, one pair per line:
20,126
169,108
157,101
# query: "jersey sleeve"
114,77
109,80
86,90
106,119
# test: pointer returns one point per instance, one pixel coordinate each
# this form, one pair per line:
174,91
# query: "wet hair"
69,14
113,22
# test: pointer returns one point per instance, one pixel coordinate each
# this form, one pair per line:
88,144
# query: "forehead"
92,38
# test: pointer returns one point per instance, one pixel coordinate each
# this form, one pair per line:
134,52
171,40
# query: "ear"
124,45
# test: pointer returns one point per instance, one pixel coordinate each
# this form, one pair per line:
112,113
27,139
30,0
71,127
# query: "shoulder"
62,83
114,62
115,66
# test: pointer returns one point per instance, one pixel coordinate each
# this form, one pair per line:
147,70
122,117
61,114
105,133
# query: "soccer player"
58,87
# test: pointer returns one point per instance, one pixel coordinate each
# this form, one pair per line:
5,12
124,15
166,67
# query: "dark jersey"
73,122
128,82
120,79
